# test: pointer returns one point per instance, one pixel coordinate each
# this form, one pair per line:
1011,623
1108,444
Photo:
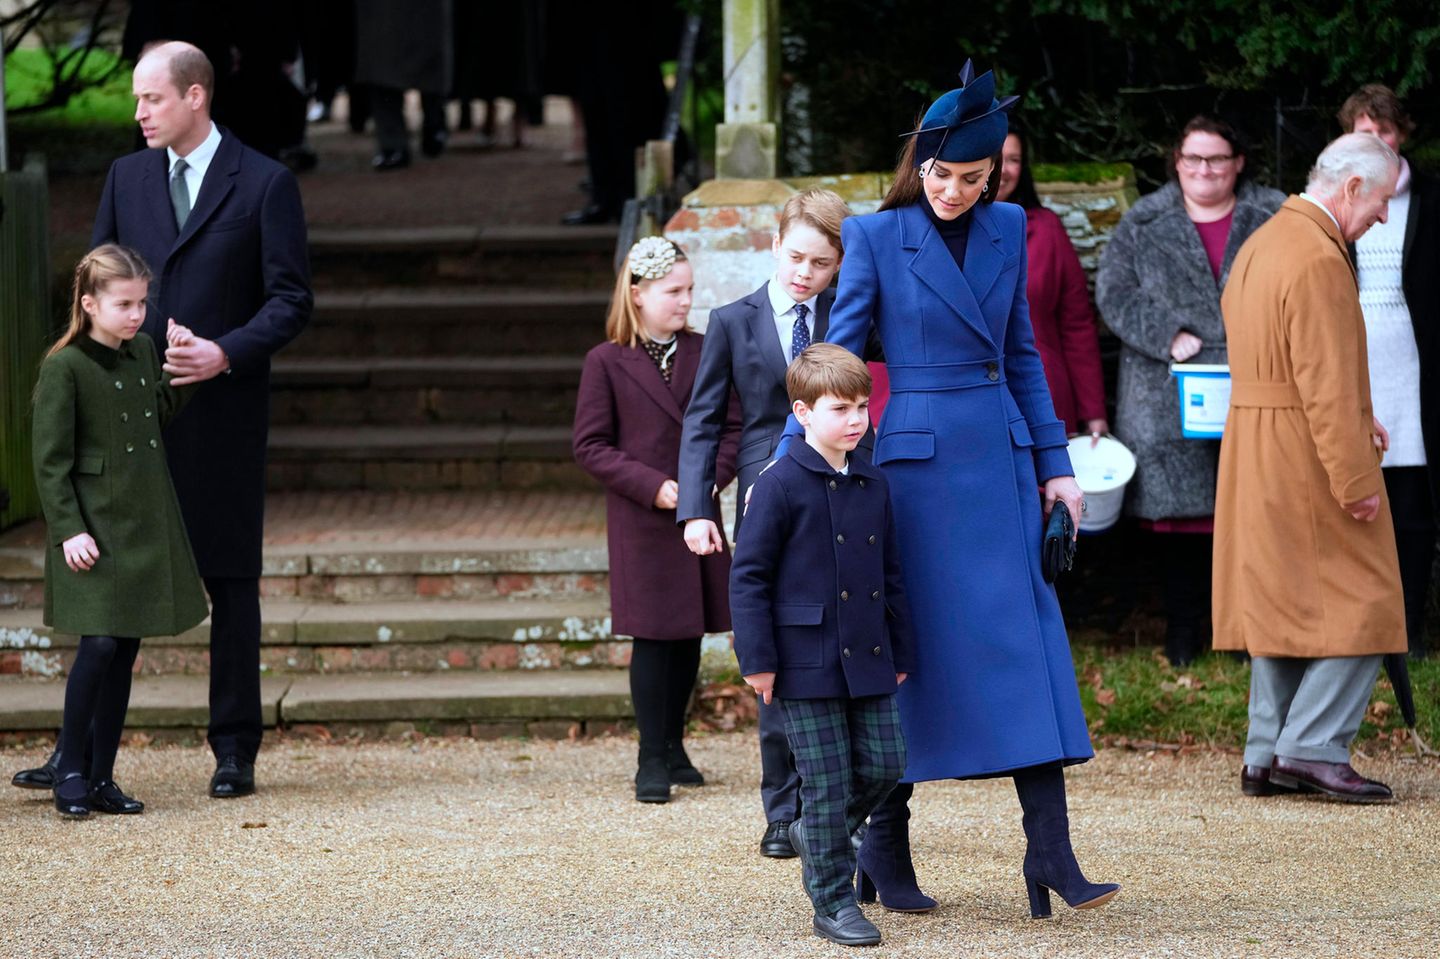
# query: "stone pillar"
746,143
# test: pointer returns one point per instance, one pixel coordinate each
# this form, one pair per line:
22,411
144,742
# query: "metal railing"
657,197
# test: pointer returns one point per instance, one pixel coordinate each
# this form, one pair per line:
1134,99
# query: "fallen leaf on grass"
1105,697
254,825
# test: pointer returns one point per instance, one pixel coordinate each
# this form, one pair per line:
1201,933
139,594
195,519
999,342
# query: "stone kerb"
726,226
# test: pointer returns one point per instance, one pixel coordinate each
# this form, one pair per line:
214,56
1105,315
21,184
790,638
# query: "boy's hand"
762,683
900,678
177,335
668,495
81,552
703,537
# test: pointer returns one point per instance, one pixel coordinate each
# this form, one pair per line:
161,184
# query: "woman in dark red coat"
1060,312
633,393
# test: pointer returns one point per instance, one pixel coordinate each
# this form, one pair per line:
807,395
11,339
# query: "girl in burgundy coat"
633,393
1065,332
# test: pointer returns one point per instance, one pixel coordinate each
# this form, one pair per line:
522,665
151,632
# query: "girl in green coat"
118,564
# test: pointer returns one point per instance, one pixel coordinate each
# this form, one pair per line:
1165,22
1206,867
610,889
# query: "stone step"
552,256
439,571
300,637
449,322
482,704
475,391
432,457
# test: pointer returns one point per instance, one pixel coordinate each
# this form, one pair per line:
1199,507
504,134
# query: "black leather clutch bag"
1057,550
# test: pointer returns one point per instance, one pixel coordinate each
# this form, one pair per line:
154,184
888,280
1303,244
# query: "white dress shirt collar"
200,157
1306,196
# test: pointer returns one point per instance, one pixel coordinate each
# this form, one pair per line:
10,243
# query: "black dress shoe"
72,797
107,797
1336,780
233,777
432,143
682,770
1255,781
391,160
776,843
848,927
41,777
592,214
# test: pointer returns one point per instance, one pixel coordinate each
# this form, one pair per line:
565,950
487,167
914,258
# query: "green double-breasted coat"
100,468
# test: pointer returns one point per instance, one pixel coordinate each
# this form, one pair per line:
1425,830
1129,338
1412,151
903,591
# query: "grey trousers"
1307,709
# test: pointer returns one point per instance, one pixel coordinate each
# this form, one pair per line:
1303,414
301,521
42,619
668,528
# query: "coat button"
874,595
834,485
124,417
142,381
148,414
119,385
129,447
872,539
876,650
844,595
992,371
154,445
840,539
846,651
862,484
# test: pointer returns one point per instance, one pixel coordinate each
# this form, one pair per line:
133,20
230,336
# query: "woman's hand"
1067,491
80,552
1184,346
703,537
1096,429
668,496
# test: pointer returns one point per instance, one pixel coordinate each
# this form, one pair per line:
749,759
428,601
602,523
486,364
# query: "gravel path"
512,848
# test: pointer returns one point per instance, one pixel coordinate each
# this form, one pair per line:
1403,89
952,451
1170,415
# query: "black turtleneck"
954,232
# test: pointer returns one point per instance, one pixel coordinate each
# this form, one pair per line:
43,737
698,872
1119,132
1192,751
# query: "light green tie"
180,193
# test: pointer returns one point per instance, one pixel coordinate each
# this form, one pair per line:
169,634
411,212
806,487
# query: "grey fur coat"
1155,281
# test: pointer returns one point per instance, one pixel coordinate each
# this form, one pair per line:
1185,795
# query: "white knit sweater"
1394,359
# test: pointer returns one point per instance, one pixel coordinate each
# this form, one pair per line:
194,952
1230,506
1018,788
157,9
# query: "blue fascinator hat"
966,124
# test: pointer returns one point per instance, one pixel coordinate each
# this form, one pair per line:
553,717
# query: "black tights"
662,676
97,694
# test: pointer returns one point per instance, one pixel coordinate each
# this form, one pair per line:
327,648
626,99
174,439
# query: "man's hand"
762,683
1366,510
668,495
1184,346
1381,436
900,678
200,361
703,537
80,552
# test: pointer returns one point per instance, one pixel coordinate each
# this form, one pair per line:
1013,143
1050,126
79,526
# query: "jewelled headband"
652,258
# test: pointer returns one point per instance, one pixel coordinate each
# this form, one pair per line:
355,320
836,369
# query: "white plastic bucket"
1204,398
1102,473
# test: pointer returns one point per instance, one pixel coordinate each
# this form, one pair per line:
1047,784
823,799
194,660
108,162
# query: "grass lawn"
27,81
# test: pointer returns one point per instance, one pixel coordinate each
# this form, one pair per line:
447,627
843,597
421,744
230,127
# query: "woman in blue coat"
968,440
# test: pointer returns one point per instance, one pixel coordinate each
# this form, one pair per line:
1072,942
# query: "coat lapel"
823,302
763,332
933,265
155,187
984,259
639,367
1302,206
219,181
687,363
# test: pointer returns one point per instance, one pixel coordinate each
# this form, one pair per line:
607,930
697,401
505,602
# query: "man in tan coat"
1306,575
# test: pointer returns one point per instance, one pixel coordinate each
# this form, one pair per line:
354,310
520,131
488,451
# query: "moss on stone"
1081,172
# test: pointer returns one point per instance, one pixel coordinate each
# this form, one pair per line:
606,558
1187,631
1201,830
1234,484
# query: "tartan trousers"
849,754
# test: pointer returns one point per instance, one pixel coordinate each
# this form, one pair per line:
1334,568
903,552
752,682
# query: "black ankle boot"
652,779
1049,860
884,869
682,770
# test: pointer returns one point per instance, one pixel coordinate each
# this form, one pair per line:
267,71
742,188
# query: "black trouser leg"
681,669
236,723
779,780
97,694
648,692
387,106
1408,489
432,114
1187,562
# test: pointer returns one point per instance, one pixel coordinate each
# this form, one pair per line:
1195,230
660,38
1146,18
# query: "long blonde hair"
622,321
97,269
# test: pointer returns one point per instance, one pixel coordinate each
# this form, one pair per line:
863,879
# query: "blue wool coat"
968,435
815,589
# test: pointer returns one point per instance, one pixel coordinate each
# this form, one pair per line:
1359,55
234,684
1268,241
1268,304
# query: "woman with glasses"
1158,290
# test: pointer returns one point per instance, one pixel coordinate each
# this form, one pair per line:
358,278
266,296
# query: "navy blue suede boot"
1049,860
884,868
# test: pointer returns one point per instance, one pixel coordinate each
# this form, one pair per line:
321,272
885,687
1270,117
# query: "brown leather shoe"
1255,781
1337,780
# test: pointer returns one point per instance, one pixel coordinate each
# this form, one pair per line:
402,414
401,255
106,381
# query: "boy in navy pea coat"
822,625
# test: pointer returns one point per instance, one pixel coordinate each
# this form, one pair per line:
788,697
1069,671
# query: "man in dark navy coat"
223,230
822,626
